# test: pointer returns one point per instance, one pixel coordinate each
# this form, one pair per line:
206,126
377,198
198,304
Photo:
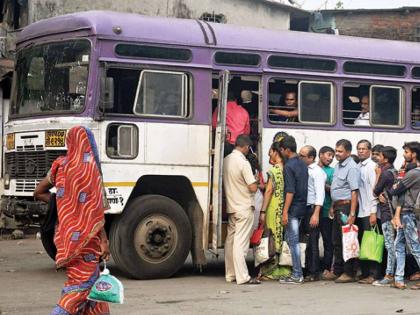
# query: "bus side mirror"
106,100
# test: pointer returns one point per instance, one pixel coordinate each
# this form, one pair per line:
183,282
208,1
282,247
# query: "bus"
147,87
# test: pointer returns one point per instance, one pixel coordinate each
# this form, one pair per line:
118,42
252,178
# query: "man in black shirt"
296,192
388,174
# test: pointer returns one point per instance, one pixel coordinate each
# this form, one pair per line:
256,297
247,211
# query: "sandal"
415,276
415,287
253,281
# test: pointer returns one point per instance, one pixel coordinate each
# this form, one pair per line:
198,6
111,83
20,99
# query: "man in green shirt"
326,156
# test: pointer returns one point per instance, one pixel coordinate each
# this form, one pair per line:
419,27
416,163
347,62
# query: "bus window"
386,106
282,101
294,101
356,105
315,102
122,141
162,93
125,85
415,108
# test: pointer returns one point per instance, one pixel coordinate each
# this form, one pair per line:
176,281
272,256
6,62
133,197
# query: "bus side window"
316,102
125,84
356,105
122,141
283,101
415,108
386,105
162,93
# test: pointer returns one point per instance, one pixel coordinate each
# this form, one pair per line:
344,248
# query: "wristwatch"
352,214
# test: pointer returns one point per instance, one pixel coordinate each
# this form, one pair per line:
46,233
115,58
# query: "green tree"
339,5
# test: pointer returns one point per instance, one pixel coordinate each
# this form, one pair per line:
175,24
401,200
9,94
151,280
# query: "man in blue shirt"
296,191
344,195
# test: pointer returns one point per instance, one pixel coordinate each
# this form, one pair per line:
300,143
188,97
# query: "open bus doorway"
246,90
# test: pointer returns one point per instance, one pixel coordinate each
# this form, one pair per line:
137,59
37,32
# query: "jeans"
325,226
389,235
408,234
312,262
292,233
340,266
368,267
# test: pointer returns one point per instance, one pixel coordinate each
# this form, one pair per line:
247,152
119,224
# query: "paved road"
29,285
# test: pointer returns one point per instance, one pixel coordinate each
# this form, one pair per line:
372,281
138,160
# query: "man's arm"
249,177
353,178
319,182
353,206
290,189
285,113
42,190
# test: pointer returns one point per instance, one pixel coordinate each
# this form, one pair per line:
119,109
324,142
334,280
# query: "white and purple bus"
146,86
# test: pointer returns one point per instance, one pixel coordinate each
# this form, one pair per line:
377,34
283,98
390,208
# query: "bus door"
219,142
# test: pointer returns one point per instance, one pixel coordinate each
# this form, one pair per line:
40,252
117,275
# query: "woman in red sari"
80,237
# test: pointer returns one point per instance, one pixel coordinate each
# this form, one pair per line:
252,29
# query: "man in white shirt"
366,217
316,194
240,186
363,118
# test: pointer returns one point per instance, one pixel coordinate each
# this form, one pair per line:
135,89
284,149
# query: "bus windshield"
51,78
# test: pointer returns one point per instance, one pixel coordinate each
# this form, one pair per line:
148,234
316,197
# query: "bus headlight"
6,181
10,141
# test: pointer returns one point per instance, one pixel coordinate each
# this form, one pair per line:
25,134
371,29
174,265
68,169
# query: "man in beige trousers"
240,186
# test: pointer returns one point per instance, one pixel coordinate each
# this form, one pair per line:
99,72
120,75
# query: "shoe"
312,278
345,278
252,281
328,276
385,282
367,280
399,285
291,280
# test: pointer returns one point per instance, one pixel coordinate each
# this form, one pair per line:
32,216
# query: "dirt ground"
29,285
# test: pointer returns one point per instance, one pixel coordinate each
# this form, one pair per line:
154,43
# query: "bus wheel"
156,235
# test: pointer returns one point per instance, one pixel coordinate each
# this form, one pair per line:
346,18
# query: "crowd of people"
305,198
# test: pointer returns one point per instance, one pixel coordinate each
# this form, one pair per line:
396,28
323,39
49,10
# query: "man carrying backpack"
406,221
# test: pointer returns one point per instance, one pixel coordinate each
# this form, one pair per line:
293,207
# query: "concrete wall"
239,12
396,25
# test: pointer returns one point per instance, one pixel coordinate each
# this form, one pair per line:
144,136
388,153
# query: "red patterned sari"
81,203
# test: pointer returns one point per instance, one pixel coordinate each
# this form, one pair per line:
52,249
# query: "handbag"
372,247
257,235
286,255
47,228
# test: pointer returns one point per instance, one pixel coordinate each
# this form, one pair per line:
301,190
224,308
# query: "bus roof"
198,33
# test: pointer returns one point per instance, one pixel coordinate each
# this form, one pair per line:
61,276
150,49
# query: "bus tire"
157,237
115,244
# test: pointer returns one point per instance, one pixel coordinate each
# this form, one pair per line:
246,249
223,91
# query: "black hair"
243,141
413,146
279,135
355,158
346,144
253,160
390,153
288,142
325,149
231,95
311,151
369,145
377,148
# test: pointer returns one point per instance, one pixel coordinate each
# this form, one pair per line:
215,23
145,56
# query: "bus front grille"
30,164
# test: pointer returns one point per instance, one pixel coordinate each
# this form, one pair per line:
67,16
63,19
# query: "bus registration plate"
55,138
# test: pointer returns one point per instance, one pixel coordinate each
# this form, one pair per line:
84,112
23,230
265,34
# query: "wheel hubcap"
155,238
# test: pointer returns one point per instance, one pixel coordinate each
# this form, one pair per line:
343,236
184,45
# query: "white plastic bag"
286,255
262,251
351,246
